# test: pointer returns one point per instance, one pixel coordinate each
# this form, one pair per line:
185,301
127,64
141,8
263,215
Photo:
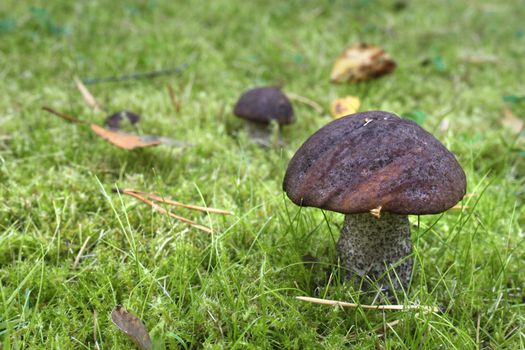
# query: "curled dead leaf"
121,139
132,326
344,106
361,62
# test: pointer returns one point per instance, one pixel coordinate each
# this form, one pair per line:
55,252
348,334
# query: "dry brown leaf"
510,120
344,106
89,99
361,62
123,140
132,326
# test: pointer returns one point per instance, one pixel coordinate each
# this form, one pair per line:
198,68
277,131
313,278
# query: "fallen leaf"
344,106
87,96
510,120
362,62
132,326
114,121
121,139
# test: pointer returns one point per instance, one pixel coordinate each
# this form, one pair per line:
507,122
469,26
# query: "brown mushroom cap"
264,104
374,159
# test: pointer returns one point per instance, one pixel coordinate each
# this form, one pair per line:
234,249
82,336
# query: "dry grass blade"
64,116
383,329
459,207
95,329
79,255
179,204
174,100
132,326
368,307
164,211
89,99
315,106
123,140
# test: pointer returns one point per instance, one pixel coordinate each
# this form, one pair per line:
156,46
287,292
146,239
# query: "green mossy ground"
236,288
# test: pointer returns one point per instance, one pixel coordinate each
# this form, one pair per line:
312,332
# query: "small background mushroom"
262,106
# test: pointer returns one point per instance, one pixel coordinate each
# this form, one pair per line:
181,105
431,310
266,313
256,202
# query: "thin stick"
64,116
315,106
89,99
164,211
179,204
135,76
77,259
174,100
368,307
384,328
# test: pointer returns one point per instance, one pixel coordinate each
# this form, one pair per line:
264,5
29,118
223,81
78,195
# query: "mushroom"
115,120
375,168
259,107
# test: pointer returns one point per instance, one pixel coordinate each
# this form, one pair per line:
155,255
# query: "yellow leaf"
344,106
362,62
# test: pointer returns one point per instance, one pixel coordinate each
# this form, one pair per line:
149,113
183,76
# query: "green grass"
236,288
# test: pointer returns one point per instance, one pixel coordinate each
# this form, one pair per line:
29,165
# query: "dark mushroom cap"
374,159
264,104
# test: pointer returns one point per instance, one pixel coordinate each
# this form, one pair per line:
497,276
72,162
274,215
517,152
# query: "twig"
384,327
77,259
164,211
174,100
178,204
87,96
64,116
368,307
315,106
135,76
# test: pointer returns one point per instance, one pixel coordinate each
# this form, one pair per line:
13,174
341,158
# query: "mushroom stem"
376,249
263,134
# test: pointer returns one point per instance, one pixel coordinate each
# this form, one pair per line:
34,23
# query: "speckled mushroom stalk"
261,134
376,249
